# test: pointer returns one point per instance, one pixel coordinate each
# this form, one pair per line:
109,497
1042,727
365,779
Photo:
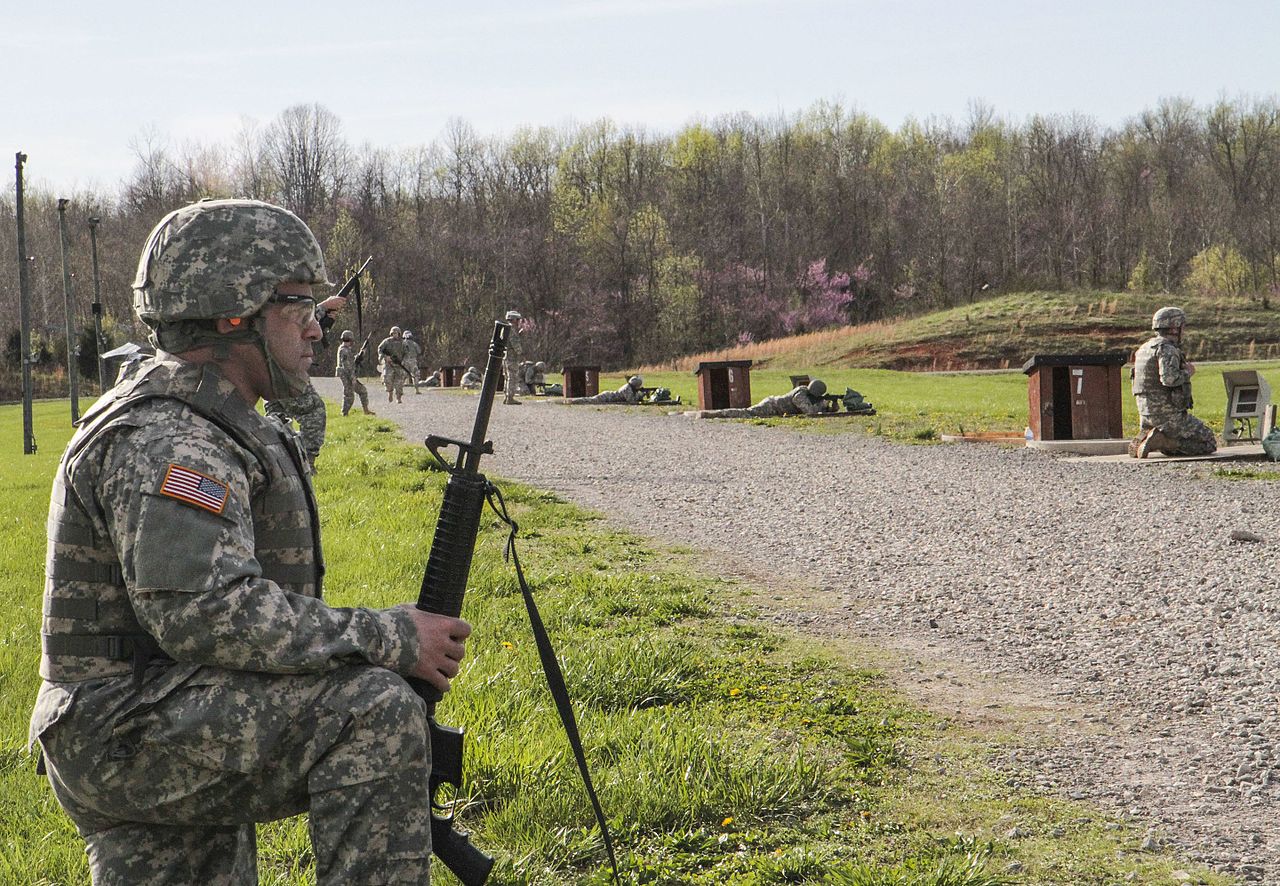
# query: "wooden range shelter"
1075,396
451,376
581,381
724,384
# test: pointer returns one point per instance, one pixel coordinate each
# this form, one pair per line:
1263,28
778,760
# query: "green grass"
921,407
724,750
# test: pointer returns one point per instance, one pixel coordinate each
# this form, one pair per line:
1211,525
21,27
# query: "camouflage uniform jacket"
391,346
346,358
798,401
1161,382
412,351
180,517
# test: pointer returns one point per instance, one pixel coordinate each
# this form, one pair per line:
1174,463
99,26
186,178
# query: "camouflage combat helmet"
540,366
817,387
1168,318
395,330
513,315
220,259
636,381
347,335
407,334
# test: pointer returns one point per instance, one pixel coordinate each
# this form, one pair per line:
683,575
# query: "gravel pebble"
1114,602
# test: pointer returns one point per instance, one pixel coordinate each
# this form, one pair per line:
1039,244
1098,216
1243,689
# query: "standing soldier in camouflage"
1162,387
391,353
194,680
412,351
801,400
346,370
511,361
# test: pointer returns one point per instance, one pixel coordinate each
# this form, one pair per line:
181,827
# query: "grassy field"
1002,332
922,406
724,750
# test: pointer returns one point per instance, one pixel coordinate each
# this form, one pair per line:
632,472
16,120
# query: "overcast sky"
84,79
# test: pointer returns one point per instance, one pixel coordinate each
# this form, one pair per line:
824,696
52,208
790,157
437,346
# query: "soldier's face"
290,330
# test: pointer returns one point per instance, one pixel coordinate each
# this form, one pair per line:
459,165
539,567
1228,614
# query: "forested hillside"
626,247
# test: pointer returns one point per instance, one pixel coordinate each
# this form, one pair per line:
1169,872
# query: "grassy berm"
725,751
1001,332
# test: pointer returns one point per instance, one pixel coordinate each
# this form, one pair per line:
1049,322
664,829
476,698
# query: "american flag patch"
194,488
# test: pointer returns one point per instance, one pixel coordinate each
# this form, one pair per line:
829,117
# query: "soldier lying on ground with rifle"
194,680
807,399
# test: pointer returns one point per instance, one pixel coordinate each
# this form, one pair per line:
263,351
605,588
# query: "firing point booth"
451,376
1075,396
724,384
581,381
1248,399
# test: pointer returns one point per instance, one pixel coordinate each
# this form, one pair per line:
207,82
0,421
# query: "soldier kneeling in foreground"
194,680
801,400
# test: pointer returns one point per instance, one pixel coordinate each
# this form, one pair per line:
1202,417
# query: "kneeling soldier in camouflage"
1162,389
194,681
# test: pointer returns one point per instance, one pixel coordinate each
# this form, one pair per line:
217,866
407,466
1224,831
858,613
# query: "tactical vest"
1146,377
1146,367
89,626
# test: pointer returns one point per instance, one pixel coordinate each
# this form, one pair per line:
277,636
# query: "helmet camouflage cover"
347,335
636,381
1168,317
817,387
222,258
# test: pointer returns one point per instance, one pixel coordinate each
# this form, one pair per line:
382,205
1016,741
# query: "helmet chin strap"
283,385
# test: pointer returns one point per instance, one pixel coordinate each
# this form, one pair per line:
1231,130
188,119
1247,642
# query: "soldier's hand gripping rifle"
443,585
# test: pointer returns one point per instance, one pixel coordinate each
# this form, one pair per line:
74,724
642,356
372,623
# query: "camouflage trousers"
411,367
511,381
393,378
1190,435
166,790
605,398
351,386
308,409
764,409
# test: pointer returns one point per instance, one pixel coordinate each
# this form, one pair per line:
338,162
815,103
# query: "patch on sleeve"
194,488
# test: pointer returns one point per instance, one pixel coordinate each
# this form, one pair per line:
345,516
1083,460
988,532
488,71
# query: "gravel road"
1103,608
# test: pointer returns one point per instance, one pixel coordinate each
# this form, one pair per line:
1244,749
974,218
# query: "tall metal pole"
97,306
73,375
24,312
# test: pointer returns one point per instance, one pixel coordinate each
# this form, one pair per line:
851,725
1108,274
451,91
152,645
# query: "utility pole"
73,375
97,306
24,312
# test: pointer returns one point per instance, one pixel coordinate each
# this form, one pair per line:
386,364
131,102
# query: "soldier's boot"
368,411
390,396
510,401
1135,443
1155,441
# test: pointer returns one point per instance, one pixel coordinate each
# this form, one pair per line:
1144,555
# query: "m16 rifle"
443,585
363,353
350,289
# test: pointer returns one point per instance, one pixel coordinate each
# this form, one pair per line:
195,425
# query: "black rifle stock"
443,586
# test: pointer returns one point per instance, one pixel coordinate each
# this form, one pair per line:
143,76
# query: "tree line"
622,246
